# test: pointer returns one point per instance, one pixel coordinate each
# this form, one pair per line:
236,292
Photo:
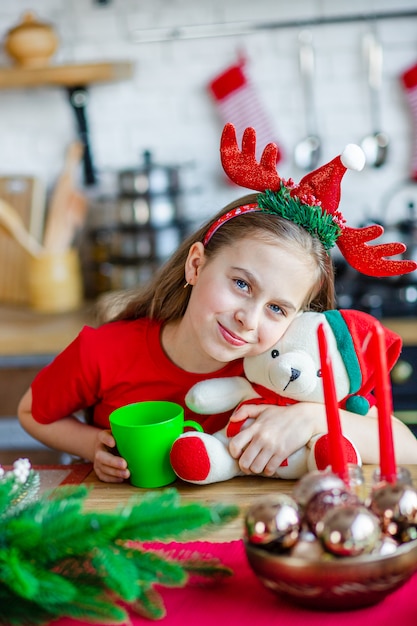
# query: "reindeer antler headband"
313,203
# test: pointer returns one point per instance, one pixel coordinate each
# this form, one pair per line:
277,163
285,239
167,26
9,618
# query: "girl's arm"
279,431
74,437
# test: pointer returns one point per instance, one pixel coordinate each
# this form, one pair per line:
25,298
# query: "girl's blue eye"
242,284
275,308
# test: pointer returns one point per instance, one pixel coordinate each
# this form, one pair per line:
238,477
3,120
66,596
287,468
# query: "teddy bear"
289,372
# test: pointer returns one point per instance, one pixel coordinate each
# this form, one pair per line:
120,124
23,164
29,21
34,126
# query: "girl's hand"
109,467
276,433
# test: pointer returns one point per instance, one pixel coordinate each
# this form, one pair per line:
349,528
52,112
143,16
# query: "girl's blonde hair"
165,298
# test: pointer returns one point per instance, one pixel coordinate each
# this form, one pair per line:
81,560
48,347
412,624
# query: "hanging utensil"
307,151
78,98
13,223
375,145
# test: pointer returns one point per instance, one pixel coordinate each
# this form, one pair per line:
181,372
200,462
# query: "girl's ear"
195,261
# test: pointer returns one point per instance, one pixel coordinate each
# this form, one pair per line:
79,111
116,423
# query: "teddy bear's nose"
294,374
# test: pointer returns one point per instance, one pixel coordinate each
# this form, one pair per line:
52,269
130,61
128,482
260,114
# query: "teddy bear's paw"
320,458
202,459
295,465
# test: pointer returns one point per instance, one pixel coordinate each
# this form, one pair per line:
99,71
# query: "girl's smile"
242,301
231,338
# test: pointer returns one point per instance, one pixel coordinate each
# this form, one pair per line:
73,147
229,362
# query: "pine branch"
18,488
96,608
163,515
58,559
150,605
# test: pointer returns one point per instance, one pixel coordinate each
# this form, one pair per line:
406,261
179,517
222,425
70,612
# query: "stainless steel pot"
157,210
132,244
150,179
399,218
408,229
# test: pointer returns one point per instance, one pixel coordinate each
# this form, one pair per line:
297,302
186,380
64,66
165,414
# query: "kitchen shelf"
64,75
75,79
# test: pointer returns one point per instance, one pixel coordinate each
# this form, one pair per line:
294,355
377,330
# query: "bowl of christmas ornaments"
332,544
324,548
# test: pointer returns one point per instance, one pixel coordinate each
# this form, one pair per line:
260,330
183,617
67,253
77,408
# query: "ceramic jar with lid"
31,43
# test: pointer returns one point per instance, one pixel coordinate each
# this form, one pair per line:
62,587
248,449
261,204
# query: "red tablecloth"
241,600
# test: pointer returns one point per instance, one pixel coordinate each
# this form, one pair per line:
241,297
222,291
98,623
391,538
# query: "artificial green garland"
56,559
312,218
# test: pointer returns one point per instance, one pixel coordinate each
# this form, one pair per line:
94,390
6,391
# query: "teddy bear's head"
291,368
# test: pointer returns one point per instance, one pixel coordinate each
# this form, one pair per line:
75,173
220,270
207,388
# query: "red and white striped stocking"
237,101
409,81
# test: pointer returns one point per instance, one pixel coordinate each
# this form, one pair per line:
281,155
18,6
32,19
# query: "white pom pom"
353,157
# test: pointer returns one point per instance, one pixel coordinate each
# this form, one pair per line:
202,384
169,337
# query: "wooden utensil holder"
55,282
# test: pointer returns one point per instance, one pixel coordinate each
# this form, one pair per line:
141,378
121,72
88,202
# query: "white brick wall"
165,107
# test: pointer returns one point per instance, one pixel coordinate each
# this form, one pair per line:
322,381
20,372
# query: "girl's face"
243,299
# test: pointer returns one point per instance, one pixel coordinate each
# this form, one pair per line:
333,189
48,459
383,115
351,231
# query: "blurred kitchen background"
146,86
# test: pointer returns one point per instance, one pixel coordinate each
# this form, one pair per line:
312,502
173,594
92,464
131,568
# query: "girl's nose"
248,317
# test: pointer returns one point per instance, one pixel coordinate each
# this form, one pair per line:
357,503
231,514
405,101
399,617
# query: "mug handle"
193,424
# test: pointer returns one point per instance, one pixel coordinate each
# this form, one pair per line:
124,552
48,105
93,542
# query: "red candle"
383,393
336,448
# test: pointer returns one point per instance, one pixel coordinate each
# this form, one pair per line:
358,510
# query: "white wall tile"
165,106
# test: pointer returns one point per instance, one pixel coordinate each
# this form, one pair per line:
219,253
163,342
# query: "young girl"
229,292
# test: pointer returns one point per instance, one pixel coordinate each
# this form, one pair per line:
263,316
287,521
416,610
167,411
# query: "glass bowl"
338,583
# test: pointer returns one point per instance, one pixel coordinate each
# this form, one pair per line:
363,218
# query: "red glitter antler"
320,187
241,165
371,260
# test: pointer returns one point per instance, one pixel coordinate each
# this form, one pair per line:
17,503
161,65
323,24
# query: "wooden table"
241,491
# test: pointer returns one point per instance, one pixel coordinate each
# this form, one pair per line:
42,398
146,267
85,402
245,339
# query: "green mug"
144,433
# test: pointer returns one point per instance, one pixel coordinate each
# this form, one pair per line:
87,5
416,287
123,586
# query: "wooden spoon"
56,229
13,223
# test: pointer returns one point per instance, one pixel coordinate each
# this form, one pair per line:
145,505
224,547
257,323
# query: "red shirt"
113,365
